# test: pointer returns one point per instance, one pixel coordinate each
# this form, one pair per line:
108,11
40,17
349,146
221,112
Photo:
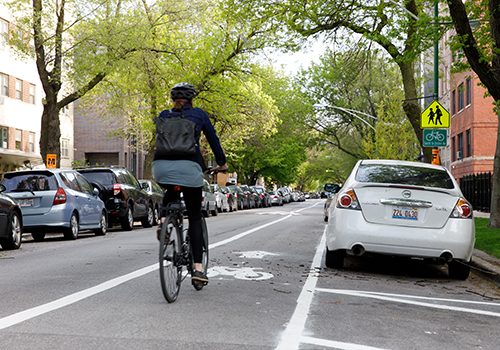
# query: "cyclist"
188,173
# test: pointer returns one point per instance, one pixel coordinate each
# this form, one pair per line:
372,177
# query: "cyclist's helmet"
183,91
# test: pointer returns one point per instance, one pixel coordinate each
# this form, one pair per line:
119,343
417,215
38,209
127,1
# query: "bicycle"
176,257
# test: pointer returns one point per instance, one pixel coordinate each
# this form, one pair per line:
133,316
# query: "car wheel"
148,221
334,258
38,236
458,270
72,231
157,215
215,211
13,241
127,221
101,231
325,217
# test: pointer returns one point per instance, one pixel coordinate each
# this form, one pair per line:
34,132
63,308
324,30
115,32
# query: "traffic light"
435,157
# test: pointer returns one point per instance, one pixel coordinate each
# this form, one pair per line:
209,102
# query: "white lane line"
72,298
292,335
404,301
86,293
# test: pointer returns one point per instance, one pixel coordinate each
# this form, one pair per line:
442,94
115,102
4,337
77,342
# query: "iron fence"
477,190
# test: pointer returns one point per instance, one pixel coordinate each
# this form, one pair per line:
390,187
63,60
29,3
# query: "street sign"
435,138
435,116
51,161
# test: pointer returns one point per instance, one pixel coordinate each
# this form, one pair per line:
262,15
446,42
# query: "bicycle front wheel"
204,257
170,256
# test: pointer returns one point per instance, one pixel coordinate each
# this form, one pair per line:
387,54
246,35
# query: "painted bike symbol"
434,135
241,273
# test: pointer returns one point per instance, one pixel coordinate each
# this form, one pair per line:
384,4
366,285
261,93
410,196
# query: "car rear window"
105,178
30,182
404,175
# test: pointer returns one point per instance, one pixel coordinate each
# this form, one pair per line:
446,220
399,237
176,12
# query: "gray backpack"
175,137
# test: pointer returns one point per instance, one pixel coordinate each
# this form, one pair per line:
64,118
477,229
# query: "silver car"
222,202
209,201
56,200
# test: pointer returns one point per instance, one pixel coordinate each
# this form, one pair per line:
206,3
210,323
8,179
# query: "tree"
394,137
401,31
482,49
210,51
276,156
76,45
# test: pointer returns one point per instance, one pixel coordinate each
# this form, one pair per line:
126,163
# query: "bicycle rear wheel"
204,257
170,256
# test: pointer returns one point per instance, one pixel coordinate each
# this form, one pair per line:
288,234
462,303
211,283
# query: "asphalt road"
268,289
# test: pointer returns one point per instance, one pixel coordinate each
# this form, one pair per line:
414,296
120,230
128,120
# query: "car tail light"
116,189
261,196
60,197
348,200
462,209
227,195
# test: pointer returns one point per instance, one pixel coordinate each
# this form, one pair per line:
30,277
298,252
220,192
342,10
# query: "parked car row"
96,198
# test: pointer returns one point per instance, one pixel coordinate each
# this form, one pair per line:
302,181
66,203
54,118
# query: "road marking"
25,315
241,273
257,254
399,299
293,333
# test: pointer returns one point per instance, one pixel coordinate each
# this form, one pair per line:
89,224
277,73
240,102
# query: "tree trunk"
50,133
412,107
495,186
148,171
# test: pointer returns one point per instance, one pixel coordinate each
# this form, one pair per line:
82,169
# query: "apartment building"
473,132
21,108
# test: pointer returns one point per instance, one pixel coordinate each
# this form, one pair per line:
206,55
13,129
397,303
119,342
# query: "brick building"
473,132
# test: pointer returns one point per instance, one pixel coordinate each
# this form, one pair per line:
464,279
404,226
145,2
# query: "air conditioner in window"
459,155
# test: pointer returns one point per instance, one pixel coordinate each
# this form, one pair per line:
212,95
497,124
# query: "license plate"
405,213
26,202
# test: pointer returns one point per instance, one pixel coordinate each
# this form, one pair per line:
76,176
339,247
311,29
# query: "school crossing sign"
435,116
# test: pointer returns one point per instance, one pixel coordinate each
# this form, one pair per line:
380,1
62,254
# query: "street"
269,289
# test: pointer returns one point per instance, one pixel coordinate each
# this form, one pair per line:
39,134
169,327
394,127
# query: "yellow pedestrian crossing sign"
435,116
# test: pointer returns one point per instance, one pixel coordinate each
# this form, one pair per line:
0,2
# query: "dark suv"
125,199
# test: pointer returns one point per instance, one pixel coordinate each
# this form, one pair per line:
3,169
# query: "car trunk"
406,205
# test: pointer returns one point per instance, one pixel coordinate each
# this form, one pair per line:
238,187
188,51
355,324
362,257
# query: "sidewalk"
485,265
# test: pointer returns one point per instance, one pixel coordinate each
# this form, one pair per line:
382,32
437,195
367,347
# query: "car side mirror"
333,188
2,188
96,192
145,186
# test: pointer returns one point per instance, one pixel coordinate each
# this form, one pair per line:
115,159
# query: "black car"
156,193
242,197
11,222
125,199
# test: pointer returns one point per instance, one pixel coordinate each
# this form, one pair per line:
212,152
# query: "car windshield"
30,182
105,178
404,175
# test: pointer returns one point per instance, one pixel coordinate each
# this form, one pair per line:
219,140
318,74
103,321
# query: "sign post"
51,161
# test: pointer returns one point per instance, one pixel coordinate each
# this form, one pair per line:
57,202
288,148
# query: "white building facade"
21,108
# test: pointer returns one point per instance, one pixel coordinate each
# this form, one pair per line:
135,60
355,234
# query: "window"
4,134
65,109
469,91
469,143
32,94
453,149
31,142
19,134
461,97
64,148
4,31
19,89
4,81
453,103
460,141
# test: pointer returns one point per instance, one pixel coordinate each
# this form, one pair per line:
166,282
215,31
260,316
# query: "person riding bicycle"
188,173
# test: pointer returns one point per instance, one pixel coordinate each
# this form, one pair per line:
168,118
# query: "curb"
486,266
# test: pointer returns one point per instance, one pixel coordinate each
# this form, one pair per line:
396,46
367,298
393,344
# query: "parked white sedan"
401,208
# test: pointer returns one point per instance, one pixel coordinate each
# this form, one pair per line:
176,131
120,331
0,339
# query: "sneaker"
158,233
199,277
